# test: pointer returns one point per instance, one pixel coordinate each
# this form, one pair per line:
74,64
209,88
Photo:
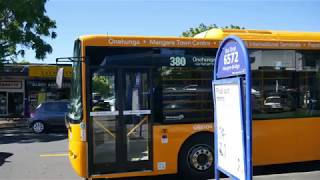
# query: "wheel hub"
201,158
38,127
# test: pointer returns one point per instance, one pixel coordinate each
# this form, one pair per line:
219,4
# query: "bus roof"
250,34
268,39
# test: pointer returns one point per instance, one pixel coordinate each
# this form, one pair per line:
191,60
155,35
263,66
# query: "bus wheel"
196,159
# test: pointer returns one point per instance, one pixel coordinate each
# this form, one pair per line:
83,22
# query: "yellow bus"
142,106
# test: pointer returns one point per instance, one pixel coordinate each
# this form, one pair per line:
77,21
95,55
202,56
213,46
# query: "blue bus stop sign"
231,58
232,99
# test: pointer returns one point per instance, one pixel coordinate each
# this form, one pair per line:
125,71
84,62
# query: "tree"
202,27
23,62
23,25
101,85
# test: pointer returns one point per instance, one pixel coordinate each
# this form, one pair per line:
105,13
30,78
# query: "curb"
12,124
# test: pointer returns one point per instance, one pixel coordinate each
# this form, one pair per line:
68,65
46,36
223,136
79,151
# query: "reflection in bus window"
285,84
137,114
104,124
103,92
186,93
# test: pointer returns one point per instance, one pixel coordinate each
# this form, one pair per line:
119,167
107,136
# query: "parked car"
48,115
278,104
112,102
96,98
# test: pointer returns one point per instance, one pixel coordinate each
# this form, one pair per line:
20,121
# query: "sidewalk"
313,175
12,122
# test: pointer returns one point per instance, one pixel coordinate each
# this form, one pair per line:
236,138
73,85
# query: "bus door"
120,120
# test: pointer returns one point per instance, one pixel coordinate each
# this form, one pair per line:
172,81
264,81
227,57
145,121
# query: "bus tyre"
196,159
38,127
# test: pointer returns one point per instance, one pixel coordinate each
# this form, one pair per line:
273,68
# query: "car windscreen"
273,100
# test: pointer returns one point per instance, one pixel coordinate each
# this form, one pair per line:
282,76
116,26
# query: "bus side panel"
167,141
286,141
77,151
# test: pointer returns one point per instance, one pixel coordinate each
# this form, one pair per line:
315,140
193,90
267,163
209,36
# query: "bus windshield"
75,111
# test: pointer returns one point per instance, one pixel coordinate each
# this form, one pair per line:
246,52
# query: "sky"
170,18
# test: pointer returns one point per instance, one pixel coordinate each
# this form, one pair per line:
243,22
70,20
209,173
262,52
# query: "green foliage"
23,24
24,62
232,27
101,85
202,27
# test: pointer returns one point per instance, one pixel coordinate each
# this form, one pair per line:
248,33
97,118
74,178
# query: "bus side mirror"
59,78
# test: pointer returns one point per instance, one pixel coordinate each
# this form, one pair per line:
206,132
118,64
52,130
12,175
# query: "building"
12,90
24,87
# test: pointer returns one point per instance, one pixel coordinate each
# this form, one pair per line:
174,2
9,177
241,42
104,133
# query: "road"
24,155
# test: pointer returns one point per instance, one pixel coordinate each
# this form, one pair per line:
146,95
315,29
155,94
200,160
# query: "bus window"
285,84
75,112
186,94
137,113
103,113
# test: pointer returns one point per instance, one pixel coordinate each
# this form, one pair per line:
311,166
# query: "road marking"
53,155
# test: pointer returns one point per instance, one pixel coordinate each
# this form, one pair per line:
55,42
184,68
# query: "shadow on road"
3,157
22,134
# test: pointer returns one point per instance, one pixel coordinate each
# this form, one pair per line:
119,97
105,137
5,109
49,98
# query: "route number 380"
178,61
230,58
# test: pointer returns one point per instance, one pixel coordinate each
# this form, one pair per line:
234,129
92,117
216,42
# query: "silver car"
48,115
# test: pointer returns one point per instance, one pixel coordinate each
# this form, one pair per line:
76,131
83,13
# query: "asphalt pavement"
25,155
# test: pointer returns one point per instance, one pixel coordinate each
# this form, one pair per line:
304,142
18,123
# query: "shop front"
11,98
12,90
41,85
40,91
